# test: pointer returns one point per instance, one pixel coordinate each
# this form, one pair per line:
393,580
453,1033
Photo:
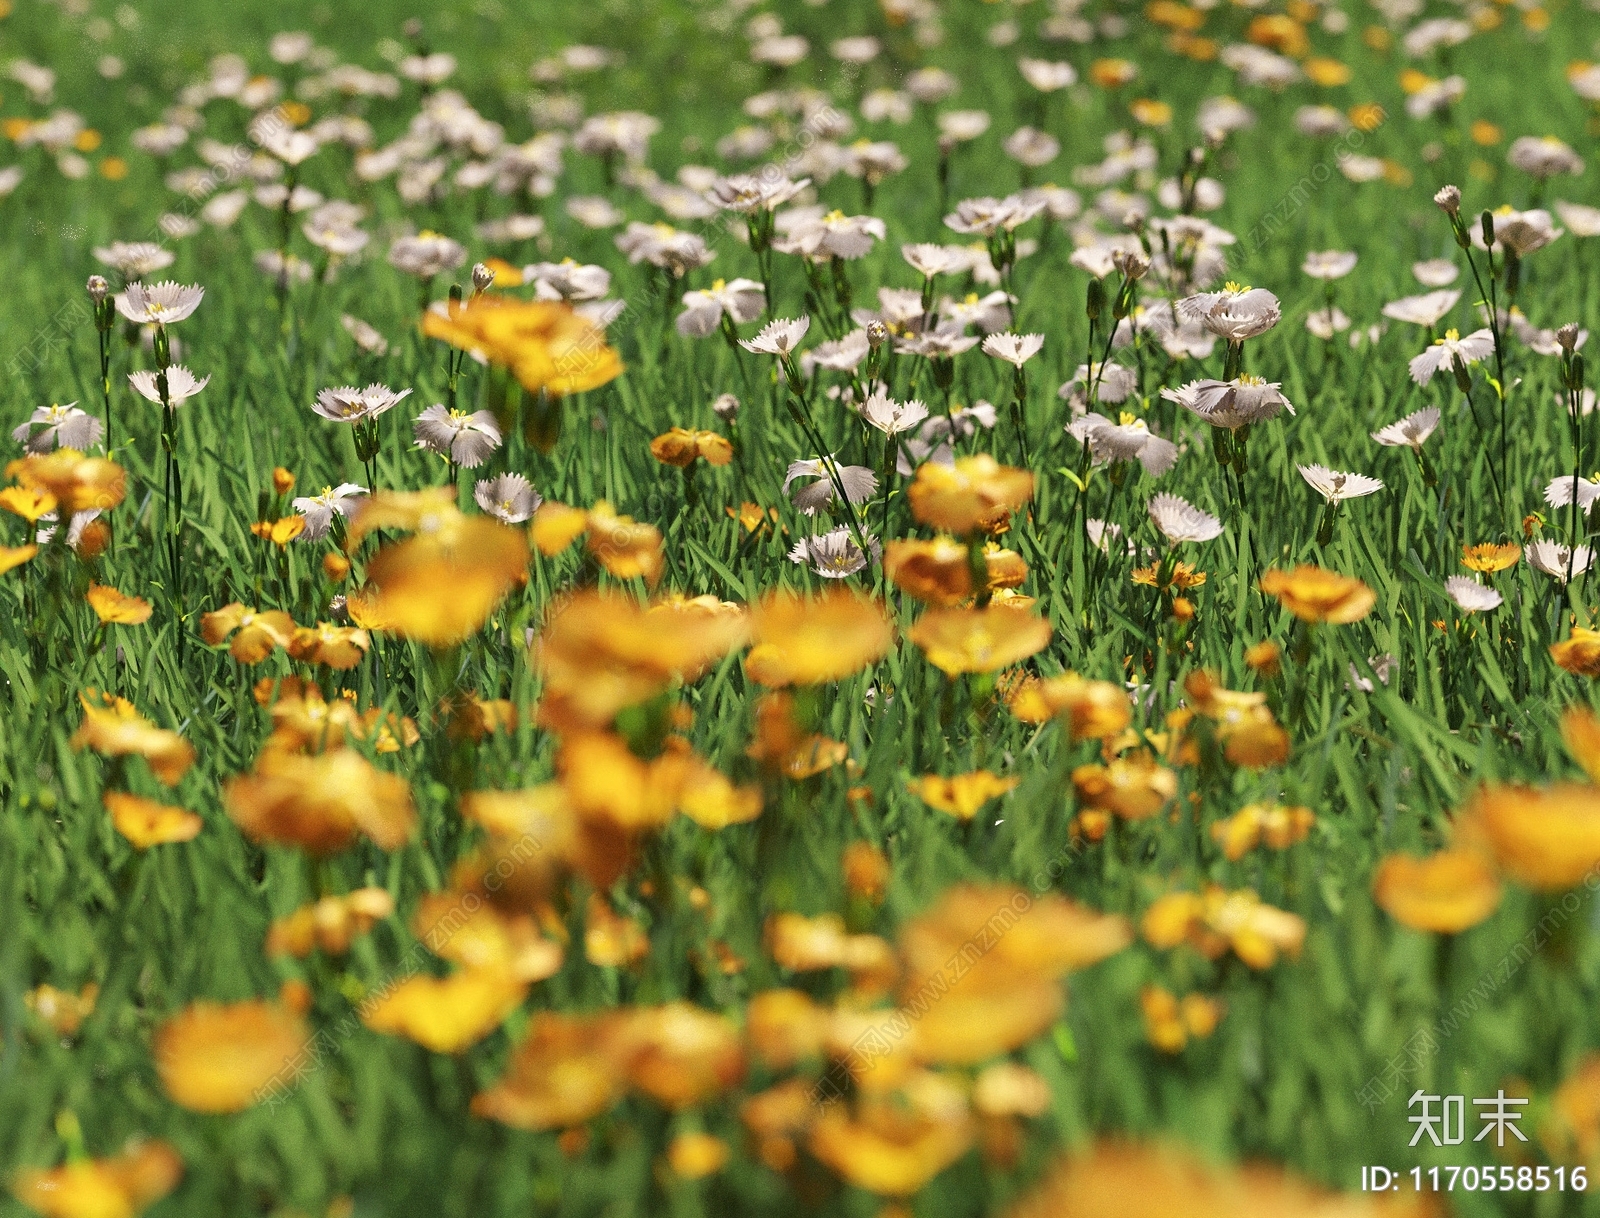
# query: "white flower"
986,216
742,301
843,355
1425,310
946,342
348,404
509,498
1117,384
1559,493
1324,323
365,334
1330,264
778,338
1102,534
1031,147
1128,439
1235,313
834,554
567,280
747,194
1047,76
1551,558
891,417
1581,220
1411,431
319,509
1452,348
832,235
989,313
1014,349
963,422
1521,232
181,385
626,132
1470,595
594,211
163,303
1434,273
928,259
288,145
1433,97
1231,404
466,439
1383,667
859,483
962,126
1180,520
337,239
59,427
1336,486
75,526
1543,156
426,255
135,258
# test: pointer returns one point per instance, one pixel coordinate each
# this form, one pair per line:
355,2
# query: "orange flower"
939,571
626,548
225,1057
321,802
1490,557
962,795
1315,595
441,585
1580,729
1485,134
694,1156
1280,32
465,928
146,823
1170,1023
1278,826
15,556
333,923
338,647
1150,112
114,608
1547,839
805,945
1216,920
818,640
1265,658
258,633
568,1070
118,1187
63,1010
27,502
547,345
1368,116
1447,892
1112,73
112,728
866,871
1175,16
1572,1131
1580,654
979,640
1329,73
1094,710
975,493
1133,787
680,447
611,940
890,1149
681,1055
279,532
605,780
77,483
445,1015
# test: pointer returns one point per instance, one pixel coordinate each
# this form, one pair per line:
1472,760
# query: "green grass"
384,1121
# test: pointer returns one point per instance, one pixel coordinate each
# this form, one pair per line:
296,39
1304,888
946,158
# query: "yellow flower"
225,1057
29,503
890,1149
979,640
15,556
1133,787
1094,710
321,802
146,823
332,923
115,608
112,728
1580,729
118,1187
1315,595
623,546
963,794
446,1015
440,585
258,633
338,647
975,493
1216,920
1580,654
1447,892
610,939
694,1156
1368,116
568,1070
279,532
1547,839
1281,32
547,345
77,483
1490,557
680,447
816,640
1279,827
1329,73
1170,1023
1112,73
63,1010
1150,112
682,1055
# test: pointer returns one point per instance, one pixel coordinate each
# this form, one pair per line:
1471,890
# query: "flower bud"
1133,266
335,566
1463,377
1449,200
282,480
482,278
877,333
726,407
99,289
1097,300
1567,336
1486,223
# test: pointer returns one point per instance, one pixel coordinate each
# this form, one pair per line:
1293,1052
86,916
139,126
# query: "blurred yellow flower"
112,728
976,493
77,483
1545,838
1448,891
63,1010
332,923
1315,595
979,640
962,794
1133,787
1579,654
116,608
449,1014
321,802
255,634
216,1057
118,1187
547,345
680,447
146,823
815,640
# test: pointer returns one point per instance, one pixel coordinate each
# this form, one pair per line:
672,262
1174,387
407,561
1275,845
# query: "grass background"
385,1122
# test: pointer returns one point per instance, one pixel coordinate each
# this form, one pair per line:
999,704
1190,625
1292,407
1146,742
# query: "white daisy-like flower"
1452,349
986,216
1435,273
135,259
1521,232
1329,264
835,554
1180,520
466,439
348,404
748,194
891,417
1336,486
841,355
1031,147
365,334
1425,310
859,483
594,211
1102,534
1235,313
946,342
319,509
58,427
1551,558
963,421
1471,596
1383,667
1326,322
567,280
181,385
1559,493
990,314
1543,156
510,498
1580,219
290,146
1128,439
1117,384
928,259
1411,431
832,235
778,338
1231,404
741,300
1047,76
962,126
426,255
1014,349
161,303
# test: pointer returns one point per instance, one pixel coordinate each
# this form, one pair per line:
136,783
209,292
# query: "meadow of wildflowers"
852,607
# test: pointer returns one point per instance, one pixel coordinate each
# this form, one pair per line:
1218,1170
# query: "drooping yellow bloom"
547,345
446,1015
116,608
27,502
979,640
962,794
939,572
1315,595
121,1186
681,446
338,647
215,1057
812,641
1094,710
146,823
1133,787
1580,654
975,493
112,728
1447,892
